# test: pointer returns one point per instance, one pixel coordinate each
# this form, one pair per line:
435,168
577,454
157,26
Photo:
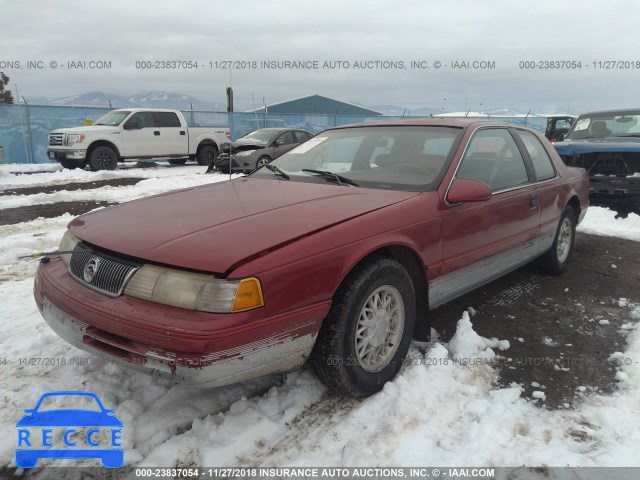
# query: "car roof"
138,109
433,122
622,111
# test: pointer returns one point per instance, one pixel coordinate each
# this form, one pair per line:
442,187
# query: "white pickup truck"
135,133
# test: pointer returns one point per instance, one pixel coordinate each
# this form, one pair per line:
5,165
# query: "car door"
141,137
175,141
482,241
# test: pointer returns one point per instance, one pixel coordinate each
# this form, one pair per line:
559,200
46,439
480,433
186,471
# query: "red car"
335,251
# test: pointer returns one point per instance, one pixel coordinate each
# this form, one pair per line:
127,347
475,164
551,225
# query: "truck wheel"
103,158
72,164
207,154
177,161
556,259
365,338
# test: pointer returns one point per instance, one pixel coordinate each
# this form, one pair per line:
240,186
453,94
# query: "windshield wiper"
330,175
278,172
629,135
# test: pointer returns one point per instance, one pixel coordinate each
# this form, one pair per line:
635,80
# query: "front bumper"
238,164
161,340
66,153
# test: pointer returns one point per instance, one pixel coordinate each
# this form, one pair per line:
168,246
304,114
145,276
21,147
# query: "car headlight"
195,291
67,244
244,153
74,138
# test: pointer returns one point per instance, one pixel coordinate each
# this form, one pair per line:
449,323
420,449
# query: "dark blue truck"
607,145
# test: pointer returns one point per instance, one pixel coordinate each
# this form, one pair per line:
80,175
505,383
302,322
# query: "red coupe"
335,252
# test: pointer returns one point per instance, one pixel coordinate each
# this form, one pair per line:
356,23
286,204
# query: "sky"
503,34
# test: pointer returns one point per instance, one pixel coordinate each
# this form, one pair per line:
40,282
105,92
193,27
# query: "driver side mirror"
279,142
132,125
464,190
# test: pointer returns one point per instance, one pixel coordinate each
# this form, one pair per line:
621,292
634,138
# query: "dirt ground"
562,330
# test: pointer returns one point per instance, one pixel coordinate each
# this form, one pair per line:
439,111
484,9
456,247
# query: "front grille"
56,138
99,271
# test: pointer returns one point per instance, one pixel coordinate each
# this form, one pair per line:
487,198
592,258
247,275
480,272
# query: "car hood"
86,129
240,145
217,227
595,145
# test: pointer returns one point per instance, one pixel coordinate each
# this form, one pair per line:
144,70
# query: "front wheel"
206,155
556,259
103,158
262,161
366,336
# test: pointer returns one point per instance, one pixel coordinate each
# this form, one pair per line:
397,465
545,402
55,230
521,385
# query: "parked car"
259,148
607,145
335,251
135,133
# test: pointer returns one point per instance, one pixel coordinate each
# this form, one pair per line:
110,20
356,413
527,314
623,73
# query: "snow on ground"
444,408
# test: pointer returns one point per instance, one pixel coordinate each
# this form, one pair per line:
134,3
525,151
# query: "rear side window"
493,157
542,164
167,119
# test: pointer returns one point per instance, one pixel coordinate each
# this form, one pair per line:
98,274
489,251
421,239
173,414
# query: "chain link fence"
24,129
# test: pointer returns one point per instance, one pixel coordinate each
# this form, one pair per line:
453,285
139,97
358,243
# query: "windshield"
112,119
260,136
606,125
403,157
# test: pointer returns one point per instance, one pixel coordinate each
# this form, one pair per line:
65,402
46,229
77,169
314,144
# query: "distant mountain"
151,99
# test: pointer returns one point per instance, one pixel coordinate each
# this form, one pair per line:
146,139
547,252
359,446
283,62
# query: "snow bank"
602,221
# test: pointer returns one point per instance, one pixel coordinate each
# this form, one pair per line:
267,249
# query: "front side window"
493,158
144,119
542,165
286,138
406,157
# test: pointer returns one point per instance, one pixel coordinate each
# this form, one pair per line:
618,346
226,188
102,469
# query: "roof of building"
317,104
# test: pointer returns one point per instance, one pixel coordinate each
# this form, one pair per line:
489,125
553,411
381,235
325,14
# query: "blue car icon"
68,418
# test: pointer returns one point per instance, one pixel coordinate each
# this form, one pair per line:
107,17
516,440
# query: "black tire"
103,158
556,259
206,155
72,164
262,161
337,359
177,161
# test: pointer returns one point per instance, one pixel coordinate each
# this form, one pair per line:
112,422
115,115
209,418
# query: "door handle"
182,132
156,133
534,200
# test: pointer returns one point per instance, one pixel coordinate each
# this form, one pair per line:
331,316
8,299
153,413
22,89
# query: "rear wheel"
103,158
556,259
206,155
366,336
